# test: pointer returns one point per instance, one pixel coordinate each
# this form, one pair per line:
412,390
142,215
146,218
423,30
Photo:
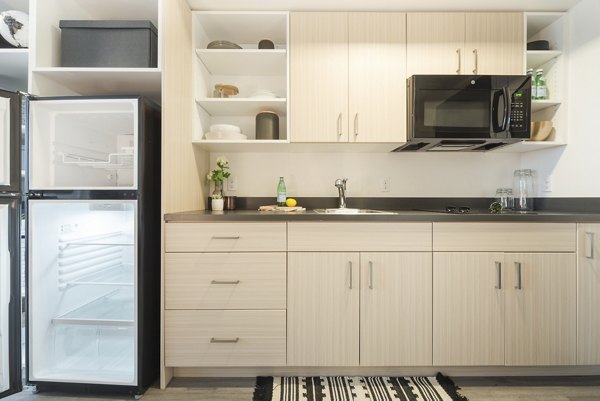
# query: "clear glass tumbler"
523,190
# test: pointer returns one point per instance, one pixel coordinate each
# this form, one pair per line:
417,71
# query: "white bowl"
225,136
225,128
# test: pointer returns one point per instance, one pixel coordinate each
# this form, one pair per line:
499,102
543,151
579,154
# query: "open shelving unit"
550,26
249,68
49,78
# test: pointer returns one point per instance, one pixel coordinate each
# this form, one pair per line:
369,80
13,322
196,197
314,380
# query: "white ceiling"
382,5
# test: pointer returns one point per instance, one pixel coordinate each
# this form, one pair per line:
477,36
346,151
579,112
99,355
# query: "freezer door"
83,291
83,143
10,316
10,141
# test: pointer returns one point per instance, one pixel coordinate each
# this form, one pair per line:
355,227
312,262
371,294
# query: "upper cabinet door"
319,77
494,44
377,68
10,141
435,43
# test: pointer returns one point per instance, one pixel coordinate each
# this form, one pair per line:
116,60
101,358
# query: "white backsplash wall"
575,169
411,175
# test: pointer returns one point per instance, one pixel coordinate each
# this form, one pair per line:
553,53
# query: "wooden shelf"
537,105
242,106
529,146
105,81
244,61
536,58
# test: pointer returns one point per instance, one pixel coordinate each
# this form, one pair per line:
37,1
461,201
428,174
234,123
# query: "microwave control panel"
519,118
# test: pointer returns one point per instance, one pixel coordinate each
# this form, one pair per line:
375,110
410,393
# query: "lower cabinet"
515,309
588,296
390,326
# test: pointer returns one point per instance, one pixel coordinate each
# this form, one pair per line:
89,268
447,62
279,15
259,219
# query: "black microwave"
467,112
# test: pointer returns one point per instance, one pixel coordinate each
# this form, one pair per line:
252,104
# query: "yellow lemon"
291,202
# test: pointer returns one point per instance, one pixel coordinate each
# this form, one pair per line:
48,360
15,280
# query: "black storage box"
119,43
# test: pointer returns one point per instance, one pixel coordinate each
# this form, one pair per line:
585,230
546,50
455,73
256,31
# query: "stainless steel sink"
351,211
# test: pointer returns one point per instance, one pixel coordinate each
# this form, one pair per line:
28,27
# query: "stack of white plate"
263,94
226,132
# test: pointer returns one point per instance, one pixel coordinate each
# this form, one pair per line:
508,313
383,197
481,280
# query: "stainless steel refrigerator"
92,243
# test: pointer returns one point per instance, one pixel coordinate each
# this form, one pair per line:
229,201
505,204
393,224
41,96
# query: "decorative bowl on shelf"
540,130
225,136
216,128
223,44
263,94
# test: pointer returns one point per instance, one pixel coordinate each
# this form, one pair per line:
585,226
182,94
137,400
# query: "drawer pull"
224,340
370,275
225,282
589,245
350,273
499,275
519,284
231,237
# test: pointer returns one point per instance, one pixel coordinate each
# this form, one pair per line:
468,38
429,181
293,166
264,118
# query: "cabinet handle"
231,237
225,282
499,275
339,124
224,340
589,245
370,275
518,284
350,273
459,61
356,124
476,61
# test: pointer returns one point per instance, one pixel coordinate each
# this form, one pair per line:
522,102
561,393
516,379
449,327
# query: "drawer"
505,237
353,237
225,237
225,280
224,338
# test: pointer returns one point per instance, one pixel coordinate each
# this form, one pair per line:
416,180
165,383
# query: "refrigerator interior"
4,298
83,144
4,141
82,291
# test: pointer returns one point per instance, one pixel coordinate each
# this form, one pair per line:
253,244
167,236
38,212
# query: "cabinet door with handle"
319,76
377,70
494,44
468,308
588,296
541,309
323,310
435,43
395,309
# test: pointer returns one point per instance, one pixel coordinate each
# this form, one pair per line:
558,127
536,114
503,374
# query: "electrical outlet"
231,183
385,184
548,184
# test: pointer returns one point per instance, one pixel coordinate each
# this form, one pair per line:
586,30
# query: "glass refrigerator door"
10,123
82,291
83,144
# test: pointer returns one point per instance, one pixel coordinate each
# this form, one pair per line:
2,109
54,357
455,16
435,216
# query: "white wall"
575,169
411,175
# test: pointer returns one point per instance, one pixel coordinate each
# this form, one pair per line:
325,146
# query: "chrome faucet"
340,184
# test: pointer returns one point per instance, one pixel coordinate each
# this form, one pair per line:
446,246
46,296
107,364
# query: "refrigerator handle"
35,195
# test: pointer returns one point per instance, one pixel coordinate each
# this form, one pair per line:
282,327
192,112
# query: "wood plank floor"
475,389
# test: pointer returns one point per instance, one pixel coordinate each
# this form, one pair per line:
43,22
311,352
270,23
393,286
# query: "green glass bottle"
540,83
281,193
533,85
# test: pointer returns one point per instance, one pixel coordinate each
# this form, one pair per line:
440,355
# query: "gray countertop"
402,215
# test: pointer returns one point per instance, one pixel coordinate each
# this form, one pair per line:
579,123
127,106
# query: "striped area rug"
340,388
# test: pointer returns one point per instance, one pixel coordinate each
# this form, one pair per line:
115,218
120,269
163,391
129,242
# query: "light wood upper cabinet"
468,309
377,72
588,322
494,44
465,43
319,76
541,315
323,310
395,309
435,43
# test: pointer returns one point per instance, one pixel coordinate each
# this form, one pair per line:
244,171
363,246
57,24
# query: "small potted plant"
218,175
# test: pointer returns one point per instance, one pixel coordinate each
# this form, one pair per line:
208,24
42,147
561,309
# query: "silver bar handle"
589,245
224,340
370,275
350,273
356,124
499,275
476,61
225,282
226,237
518,284
339,124
459,61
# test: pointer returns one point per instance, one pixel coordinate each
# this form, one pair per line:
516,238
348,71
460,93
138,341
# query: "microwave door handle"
506,117
496,127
